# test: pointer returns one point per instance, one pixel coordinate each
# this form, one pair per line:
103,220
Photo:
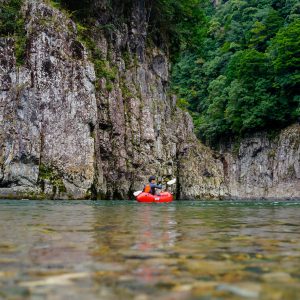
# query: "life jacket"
147,188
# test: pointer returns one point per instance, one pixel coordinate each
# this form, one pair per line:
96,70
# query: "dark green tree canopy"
245,75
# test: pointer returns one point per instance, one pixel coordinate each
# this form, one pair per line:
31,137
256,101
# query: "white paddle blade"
135,194
171,181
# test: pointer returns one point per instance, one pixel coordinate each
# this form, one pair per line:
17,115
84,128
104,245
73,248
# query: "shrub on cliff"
180,23
12,24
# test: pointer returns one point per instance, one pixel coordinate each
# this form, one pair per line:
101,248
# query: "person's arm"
156,186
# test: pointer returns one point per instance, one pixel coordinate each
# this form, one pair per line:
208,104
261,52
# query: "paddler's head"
152,179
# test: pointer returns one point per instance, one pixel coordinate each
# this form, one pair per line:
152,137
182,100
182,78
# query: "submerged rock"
64,279
277,277
248,291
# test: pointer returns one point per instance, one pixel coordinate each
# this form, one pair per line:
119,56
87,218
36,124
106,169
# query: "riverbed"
126,250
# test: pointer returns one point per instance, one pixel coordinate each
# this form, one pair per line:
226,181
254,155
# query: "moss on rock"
47,173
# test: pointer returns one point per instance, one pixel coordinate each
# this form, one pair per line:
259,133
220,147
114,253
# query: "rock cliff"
67,132
75,125
262,166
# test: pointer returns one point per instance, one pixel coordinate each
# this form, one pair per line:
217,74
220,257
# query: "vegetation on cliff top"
180,23
243,76
12,24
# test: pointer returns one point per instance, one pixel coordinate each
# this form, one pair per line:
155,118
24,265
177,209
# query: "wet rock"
249,290
204,289
16,293
183,288
64,279
141,297
273,291
277,277
210,267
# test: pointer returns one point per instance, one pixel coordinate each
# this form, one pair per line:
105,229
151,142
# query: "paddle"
135,194
171,181
168,183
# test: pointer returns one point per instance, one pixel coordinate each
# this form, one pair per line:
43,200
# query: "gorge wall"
74,127
263,166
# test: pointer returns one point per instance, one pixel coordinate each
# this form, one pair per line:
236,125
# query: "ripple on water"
125,250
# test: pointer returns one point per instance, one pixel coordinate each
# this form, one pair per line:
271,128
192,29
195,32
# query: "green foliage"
12,23
180,22
102,67
47,173
9,11
246,76
284,52
285,49
80,8
182,103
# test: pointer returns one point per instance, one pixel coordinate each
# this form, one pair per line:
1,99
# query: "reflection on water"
125,250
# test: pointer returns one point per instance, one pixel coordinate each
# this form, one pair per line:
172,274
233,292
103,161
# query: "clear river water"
126,250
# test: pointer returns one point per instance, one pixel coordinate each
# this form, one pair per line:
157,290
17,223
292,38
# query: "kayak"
148,198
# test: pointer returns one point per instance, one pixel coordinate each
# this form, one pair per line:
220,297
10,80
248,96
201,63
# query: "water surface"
125,250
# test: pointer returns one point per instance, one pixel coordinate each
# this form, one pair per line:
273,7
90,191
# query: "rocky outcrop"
264,167
77,125
67,134
47,110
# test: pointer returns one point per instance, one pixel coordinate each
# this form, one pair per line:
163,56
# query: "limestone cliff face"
47,109
60,137
140,131
73,127
264,167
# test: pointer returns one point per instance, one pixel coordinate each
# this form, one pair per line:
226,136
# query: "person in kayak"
152,186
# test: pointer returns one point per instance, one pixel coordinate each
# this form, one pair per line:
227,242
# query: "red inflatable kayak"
148,198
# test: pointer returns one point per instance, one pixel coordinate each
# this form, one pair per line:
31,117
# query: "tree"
246,76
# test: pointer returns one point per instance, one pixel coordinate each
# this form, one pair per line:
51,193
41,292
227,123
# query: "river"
125,250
